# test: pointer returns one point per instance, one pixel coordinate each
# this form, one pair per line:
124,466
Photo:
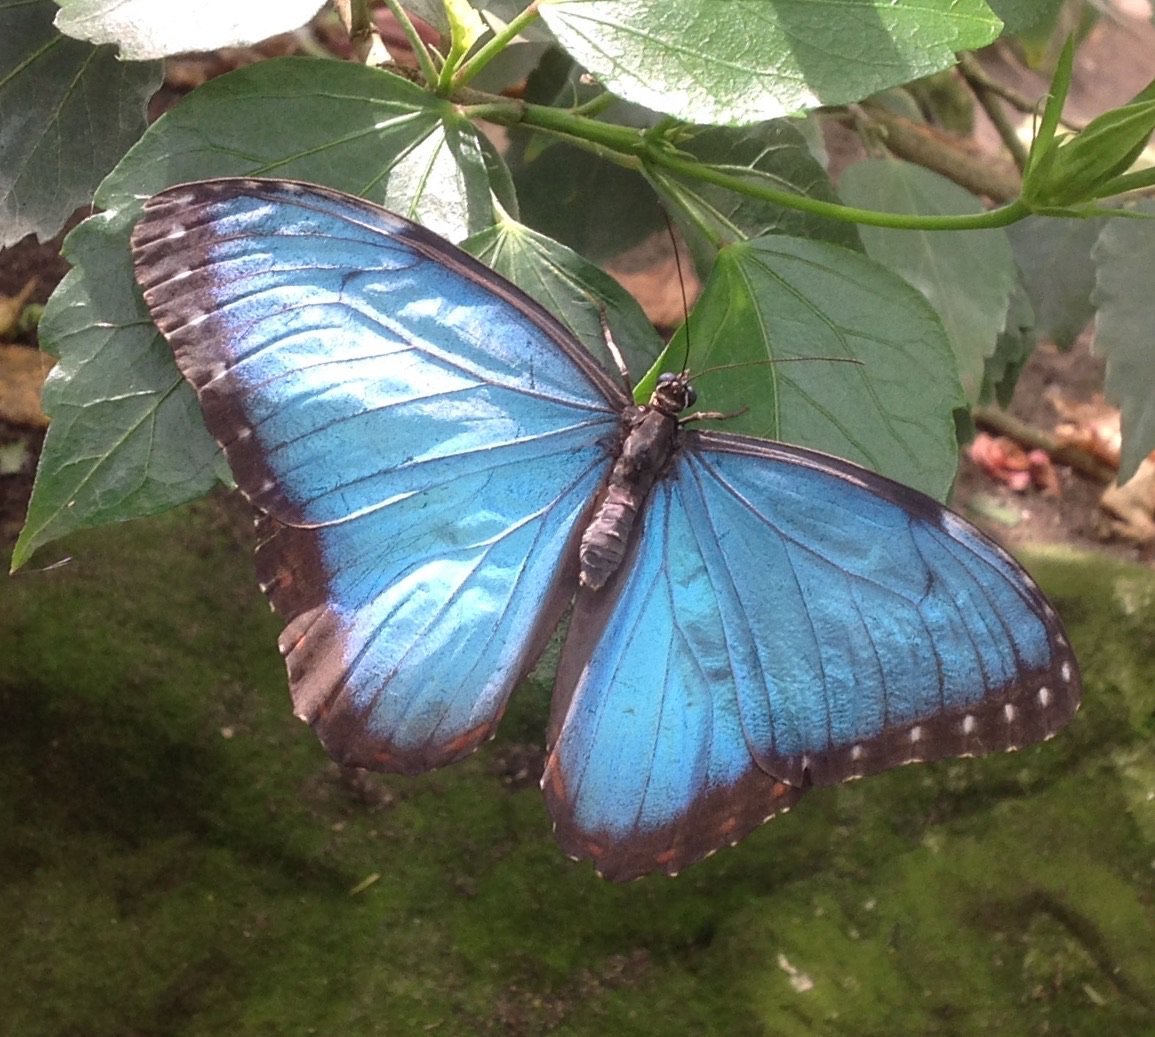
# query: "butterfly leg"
713,415
616,353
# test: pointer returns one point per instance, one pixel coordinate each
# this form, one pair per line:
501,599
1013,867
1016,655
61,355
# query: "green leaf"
1044,145
781,298
331,122
68,112
574,290
147,29
762,58
771,154
1012,350
466,26
127,436
432,12
967,276
1124,257
1136,180
1054,257
1087,162
1020,15
596,207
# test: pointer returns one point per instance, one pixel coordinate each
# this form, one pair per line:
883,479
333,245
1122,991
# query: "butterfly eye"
688,397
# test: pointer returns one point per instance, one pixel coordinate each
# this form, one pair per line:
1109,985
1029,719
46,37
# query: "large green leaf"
128,440
147,29
1124,257
811,303
967,276
68,112
705,61
1019,15
331,122
1012,350
126,437
597,208
771,155
574,290
1054,256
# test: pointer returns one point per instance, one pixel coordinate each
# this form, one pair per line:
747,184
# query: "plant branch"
1000,217
595,105
974,72
991,419
990,101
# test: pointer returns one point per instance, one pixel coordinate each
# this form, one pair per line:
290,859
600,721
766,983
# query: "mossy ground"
179,858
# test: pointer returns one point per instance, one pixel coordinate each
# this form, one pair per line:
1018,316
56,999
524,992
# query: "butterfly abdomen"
648,447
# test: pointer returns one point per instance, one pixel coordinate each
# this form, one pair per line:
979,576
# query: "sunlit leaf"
126,438
147,29
762,58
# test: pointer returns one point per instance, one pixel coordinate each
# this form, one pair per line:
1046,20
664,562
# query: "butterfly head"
673,393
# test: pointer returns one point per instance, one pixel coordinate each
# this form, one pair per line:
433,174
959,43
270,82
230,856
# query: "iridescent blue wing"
422,439
785,619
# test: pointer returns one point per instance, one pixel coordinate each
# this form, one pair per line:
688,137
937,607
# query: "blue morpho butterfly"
442,469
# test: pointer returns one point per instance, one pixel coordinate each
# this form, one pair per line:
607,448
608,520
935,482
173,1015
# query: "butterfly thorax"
649,443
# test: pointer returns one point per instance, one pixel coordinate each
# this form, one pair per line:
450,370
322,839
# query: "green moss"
178,856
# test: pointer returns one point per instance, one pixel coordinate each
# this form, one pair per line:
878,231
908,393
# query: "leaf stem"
488,51
595,105
421,52
362,30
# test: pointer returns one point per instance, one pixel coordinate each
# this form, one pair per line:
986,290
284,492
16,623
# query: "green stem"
1136,181
485,54
631,148
362,30
417,44
594,106
621,145
1000,217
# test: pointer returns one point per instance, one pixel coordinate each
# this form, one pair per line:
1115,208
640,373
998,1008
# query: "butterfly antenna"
778,360
681,285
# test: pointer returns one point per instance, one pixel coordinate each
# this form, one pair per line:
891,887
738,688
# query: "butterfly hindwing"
786,619
423,441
